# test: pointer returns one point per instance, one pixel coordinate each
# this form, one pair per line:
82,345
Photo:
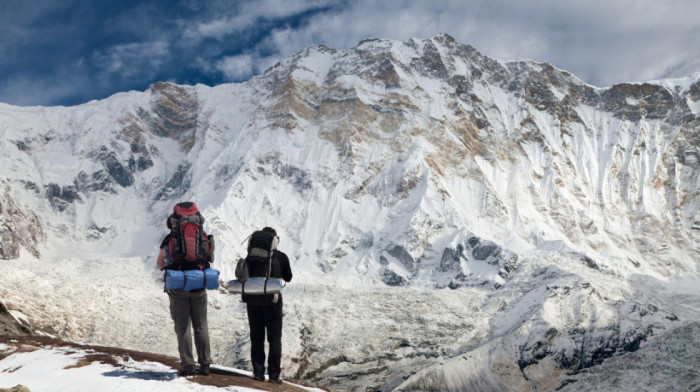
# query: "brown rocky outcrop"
115,356
9,325
174,112
16,388
18,229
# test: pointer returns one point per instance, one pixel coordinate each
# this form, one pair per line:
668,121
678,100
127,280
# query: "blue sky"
66,52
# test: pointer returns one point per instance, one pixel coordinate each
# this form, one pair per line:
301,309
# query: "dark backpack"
260,262
189,246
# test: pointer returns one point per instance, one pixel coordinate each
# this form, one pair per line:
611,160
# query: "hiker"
265,311
188,309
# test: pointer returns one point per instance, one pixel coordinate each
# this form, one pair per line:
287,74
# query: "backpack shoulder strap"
269,269
165,240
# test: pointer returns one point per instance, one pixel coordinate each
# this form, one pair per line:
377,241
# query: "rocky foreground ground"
116,357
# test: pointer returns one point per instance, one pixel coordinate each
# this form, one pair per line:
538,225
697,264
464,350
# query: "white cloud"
236,68
246,15
133,58
42,91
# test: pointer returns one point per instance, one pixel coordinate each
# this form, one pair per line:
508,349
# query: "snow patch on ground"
60,369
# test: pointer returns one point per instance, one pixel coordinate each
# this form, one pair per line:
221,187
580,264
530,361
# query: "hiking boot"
258,377
276,381
184,372
204,370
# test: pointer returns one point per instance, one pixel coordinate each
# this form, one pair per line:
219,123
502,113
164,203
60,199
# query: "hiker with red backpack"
264,310
186,252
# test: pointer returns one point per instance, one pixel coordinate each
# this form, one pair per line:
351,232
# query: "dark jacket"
280,269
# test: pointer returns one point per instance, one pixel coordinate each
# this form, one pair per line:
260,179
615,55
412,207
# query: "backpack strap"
269,270
182,248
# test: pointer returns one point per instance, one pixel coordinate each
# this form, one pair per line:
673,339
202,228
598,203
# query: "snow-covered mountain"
454,222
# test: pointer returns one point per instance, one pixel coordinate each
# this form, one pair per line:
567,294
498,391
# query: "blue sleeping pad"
192,279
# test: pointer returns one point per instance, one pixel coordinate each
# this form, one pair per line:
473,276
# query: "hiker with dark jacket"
187,308
265,312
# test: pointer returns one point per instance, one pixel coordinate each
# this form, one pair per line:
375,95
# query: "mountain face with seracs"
454,222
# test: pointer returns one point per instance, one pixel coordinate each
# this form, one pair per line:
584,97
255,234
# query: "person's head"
270,230
168,223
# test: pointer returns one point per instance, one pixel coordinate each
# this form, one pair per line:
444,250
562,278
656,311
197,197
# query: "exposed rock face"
174,112
18,228
97,181
16,388
461,263
662,362
178,183
589,346
9,325
61,197
120,173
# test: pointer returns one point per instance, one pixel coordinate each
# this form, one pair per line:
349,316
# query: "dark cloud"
68,52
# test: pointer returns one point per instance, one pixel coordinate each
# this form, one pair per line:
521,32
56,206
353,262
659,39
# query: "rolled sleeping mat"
192,279
174,280
256,286
196,279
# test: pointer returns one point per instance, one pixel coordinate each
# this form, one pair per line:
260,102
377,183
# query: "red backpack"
189,246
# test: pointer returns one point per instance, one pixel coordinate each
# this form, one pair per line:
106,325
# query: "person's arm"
286,269
160,263
161,259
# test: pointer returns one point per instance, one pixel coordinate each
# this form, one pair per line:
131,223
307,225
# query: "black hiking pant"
266,319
